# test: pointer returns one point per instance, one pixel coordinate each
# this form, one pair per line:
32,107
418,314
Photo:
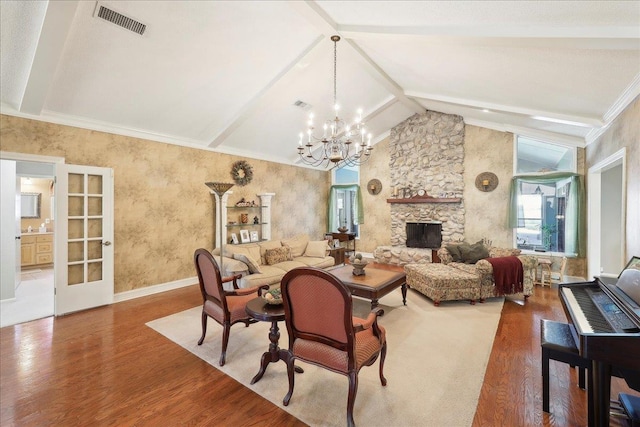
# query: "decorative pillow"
473,253
317,249
254,267
231,265
252,250
277,255
454,251
298,244
265,246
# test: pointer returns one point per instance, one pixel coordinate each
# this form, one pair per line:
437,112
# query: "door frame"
594,210
39,159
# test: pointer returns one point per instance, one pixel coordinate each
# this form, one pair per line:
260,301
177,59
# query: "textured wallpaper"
487,150
163,211
624,132
376,230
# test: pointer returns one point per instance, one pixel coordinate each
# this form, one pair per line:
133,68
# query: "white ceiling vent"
303,105
119,19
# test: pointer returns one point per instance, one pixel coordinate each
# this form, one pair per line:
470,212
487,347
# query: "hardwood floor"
105,367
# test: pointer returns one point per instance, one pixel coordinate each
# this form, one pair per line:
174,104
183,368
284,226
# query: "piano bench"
557,344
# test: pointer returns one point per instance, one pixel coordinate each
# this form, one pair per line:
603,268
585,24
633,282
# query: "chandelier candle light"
337,137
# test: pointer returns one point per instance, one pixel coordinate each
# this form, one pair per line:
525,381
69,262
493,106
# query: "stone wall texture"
426,152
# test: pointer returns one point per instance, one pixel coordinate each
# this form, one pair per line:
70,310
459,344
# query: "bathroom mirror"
30,205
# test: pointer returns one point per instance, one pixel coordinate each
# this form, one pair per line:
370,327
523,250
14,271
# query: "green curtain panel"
575,217
332,221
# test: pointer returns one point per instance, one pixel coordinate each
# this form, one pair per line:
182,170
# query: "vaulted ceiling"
225,75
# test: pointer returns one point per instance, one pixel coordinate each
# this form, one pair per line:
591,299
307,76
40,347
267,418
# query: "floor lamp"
220,188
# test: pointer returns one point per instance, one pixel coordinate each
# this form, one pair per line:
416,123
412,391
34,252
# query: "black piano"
605,314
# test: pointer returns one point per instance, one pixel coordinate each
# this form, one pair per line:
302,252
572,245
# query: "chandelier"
341,144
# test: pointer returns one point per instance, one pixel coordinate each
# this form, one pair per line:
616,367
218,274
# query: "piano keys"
606,320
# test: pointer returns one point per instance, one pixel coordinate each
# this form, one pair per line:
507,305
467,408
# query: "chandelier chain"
335,72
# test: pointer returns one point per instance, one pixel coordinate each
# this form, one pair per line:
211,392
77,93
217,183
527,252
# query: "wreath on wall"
241,172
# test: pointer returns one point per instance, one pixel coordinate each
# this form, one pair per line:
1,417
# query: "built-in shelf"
426,200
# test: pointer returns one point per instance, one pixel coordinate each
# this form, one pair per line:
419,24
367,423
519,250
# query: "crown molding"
624,100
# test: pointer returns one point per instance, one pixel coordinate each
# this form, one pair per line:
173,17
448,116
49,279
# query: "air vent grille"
302,104
121,20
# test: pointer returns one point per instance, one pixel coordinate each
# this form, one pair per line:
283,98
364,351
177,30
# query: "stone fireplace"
426,170
424,235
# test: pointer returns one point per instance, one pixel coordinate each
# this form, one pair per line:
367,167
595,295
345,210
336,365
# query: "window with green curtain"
345,208
548,212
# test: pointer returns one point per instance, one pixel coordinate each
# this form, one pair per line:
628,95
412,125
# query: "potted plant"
547,233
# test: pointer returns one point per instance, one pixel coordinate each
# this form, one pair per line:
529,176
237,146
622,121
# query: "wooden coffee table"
374,284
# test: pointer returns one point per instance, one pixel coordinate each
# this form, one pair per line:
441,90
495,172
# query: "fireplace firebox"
424,234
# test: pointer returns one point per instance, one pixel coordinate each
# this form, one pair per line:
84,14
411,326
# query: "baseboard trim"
154,289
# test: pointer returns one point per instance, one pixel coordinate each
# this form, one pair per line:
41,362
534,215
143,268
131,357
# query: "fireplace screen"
424,235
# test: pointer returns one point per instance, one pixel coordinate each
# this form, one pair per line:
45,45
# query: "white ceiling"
224,75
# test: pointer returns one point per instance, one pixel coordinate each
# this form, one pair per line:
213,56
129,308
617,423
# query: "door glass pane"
76,251
76,274
95,184
76,183
95,206
94,250
95,228
76,228
76,206
95,271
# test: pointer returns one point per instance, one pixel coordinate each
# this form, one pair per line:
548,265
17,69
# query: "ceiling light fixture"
337,137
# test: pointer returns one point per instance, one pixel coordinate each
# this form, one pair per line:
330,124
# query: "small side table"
260,310
545,272
349,240
338,255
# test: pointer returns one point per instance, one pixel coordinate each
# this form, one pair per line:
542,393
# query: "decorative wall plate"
421,192
241,172
374,186
486,181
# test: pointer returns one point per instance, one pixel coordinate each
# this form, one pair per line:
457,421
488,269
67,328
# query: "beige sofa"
265,263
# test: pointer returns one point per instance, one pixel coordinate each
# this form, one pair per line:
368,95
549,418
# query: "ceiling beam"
585,37
328,27
55,28
250,107
536,114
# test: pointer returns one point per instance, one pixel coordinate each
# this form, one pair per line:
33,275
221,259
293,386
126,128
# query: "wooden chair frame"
348,346
221,301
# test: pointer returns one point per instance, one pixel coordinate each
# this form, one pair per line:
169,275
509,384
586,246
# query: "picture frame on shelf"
244,236
254,236
234,238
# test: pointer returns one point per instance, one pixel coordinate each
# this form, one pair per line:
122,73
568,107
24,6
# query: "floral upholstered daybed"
465,272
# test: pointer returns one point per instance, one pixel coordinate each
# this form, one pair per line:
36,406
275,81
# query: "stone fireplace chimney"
427,153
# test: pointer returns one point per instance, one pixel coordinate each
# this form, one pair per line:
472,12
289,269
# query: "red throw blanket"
508,275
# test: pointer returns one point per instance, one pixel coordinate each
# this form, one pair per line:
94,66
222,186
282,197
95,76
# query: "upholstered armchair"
225,307
323,332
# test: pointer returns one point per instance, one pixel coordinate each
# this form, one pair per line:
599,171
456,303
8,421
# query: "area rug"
435,364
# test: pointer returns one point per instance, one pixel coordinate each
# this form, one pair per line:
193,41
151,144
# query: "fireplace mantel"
426,200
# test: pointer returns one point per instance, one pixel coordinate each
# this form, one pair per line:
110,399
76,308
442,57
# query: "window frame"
516,175
356,169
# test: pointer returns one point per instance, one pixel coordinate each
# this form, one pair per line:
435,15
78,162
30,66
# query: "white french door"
84,236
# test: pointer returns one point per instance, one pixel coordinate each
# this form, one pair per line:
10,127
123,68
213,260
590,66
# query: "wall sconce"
486,181
374,186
